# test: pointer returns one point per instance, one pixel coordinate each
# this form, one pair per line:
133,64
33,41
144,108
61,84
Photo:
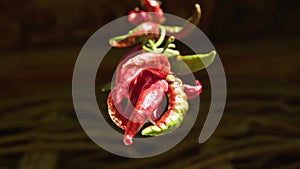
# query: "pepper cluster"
145,77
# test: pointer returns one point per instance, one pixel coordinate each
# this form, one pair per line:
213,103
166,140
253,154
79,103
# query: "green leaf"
191,63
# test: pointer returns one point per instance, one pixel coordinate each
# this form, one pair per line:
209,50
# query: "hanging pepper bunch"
148,72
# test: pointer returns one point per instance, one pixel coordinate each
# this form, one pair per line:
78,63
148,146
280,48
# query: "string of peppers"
144,78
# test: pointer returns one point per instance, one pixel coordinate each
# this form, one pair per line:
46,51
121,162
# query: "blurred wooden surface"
260,127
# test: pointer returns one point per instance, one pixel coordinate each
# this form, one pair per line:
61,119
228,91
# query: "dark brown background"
258,42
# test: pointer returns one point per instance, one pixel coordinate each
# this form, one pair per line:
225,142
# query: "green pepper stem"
170,40
161,37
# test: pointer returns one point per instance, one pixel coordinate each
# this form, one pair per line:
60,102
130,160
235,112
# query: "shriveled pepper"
178,106
149,99
135,90
144,74
115,112
157,64
130,54
150,29
119,115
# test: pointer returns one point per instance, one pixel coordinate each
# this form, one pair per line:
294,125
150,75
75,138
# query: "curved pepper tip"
151,131
146,132
197,14
127,140
198,7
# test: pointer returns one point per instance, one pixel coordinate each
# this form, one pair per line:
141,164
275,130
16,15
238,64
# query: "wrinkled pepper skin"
157,64
120,118
149,99
133,74
135,90
115,113
173,117
130,54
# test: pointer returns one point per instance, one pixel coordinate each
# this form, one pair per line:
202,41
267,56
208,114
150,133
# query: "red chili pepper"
130,54
156,13
157,64
193,91
144,78
115,113
137,16
134,92
177,94
148,101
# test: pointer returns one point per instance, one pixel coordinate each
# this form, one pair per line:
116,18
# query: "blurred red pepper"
156,13
137,16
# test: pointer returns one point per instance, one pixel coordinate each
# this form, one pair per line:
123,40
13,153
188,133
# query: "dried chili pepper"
174,93
134,92
149,99
144,75
137,16
115,111
115,114
146,30
157,64
155,13
130,54
178,106
150,29
192,91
